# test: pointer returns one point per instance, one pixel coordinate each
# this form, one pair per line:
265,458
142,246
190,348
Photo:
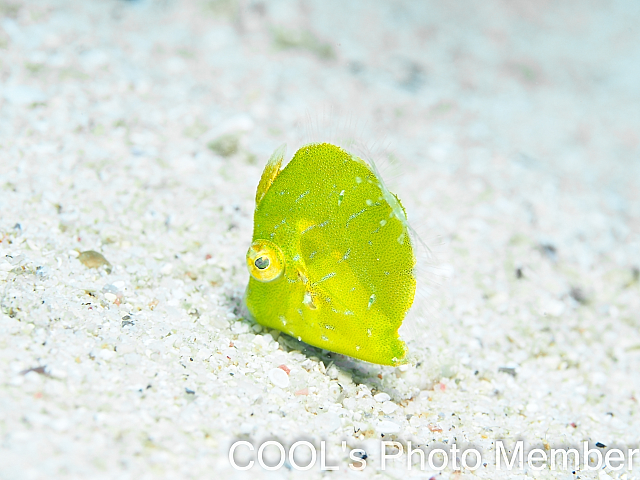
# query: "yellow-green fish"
331,262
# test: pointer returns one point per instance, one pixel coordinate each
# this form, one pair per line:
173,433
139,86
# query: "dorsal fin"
271,171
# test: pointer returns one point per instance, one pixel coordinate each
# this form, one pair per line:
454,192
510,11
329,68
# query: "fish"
332,260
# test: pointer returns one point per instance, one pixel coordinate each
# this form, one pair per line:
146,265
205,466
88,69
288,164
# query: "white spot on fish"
369,202
308,228
340,197
299,339
296,258
283,320
358,180
326,277
383,222
308,301
357,347
372,299
368,332
345,256
348,312
302,277
329,327
302,195
325,338
354,215
401,238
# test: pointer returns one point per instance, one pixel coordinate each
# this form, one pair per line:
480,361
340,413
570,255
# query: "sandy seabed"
139,130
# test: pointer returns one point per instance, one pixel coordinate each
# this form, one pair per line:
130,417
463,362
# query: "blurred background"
460,88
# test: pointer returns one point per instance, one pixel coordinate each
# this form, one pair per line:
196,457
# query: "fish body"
331,261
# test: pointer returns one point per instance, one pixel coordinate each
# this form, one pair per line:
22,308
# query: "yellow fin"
271,171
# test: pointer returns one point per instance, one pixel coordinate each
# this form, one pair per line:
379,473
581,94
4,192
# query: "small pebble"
389,407
279,377
385,426
434,428
508,370
286,369
328,422
382,397
225,145
166,269
334,389
93,259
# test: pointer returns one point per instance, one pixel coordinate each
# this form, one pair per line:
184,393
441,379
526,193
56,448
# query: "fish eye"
265,261
262,262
